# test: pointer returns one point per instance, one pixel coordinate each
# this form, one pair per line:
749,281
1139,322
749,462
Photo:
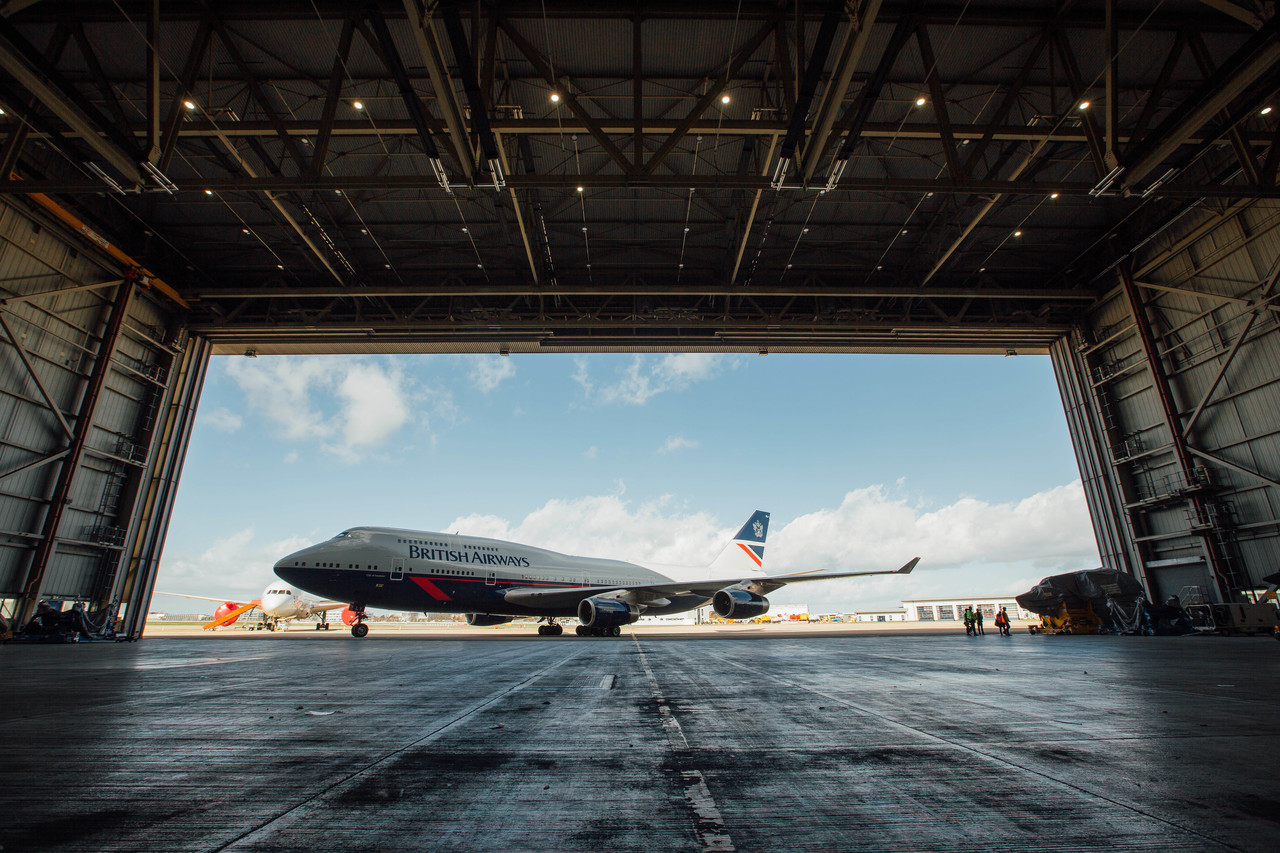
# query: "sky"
863,461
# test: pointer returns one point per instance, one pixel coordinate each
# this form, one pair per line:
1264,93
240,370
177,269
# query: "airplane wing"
200,597
233,615
326,606
570,596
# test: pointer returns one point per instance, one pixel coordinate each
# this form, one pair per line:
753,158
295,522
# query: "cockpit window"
346,534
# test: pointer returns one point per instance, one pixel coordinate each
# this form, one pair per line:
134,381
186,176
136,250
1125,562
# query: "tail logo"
758,529
755,552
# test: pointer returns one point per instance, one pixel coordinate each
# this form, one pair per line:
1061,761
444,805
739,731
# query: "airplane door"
397,569
491,579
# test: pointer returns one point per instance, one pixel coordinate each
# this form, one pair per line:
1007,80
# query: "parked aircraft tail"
745,554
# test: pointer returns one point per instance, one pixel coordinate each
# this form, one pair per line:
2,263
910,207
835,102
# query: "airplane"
493,581
277,603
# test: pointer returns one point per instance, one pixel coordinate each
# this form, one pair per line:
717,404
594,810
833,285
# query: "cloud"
591,452
235,566
969,547
347,405
223,420
488,372
291,457
647,376
677,442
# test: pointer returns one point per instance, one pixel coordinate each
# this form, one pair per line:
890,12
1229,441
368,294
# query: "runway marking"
264,829
985,755
711,830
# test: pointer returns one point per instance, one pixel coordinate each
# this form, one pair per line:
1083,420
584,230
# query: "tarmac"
751,738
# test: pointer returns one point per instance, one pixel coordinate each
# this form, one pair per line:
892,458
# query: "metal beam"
1254,59
708,98
870,93
58,102
424,35
35,377
60,498
333,95
857,33
809,82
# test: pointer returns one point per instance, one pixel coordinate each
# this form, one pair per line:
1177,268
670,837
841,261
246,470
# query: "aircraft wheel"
359,629
270,627
615,631
581,631
557,630
317,626
542,630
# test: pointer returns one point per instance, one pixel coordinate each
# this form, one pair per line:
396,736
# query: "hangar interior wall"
98,383
1171,388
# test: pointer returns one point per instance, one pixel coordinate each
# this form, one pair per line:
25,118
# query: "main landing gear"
358,628
551,629
613,631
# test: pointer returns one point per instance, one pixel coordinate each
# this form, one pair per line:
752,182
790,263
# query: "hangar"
1088,180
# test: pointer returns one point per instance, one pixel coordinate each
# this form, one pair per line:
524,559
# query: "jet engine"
485,619
606,612
222,611
348,616
734,603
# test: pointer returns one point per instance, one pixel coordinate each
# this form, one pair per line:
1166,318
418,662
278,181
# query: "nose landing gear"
358,628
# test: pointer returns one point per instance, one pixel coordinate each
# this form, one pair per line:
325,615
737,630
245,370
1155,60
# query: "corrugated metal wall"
1208,287
57,297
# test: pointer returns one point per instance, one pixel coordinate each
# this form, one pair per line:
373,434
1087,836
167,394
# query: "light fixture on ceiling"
190,105
920,101
1265,111
580,189
724,99
1017,233
555,97
1084,105
359,105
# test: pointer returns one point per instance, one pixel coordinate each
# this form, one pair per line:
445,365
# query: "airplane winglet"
906,570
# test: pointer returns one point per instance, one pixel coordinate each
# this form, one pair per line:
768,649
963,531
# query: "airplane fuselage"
442,572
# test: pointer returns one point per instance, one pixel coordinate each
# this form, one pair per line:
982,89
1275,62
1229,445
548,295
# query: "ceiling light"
805,231
555,97
1053,195
920,102
904,231
479,266
364,230
724,99
982,269
244,230
358,104
1,111
279,266
1017,233
388,266
208,192
879,266
464,230
579,189
337,192
1265,111
1084,105
789,266
189,104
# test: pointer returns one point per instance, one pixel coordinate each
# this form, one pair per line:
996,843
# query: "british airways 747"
493,581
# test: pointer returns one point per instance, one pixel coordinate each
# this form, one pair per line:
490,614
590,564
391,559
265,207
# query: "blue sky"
864,462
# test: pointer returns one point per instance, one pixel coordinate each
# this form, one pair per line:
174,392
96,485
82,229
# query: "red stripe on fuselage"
751,554
432,590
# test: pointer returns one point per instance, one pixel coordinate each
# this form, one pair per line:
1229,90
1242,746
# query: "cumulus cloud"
644,377
488,372
348,405
677,442
969,547
223,420
235,566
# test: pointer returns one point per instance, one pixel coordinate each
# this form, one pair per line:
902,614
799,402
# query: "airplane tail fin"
745,554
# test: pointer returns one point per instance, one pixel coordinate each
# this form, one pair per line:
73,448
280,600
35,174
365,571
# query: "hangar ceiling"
861,176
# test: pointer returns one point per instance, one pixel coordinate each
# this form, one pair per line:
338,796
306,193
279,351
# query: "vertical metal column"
1103,492
152,511
1173,422
84,420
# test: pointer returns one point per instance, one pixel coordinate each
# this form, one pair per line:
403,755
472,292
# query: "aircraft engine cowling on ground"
348,616
606,613
734,603
484,619
222,611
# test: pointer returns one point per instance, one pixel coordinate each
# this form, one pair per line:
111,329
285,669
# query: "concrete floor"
648,743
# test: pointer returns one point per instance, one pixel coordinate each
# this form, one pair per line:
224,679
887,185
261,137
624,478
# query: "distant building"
951,609
899,615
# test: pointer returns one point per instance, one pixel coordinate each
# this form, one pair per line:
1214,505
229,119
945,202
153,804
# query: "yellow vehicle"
1069,620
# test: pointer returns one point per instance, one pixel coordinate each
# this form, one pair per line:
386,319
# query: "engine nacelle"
485,619
735,603
606,612
222,611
